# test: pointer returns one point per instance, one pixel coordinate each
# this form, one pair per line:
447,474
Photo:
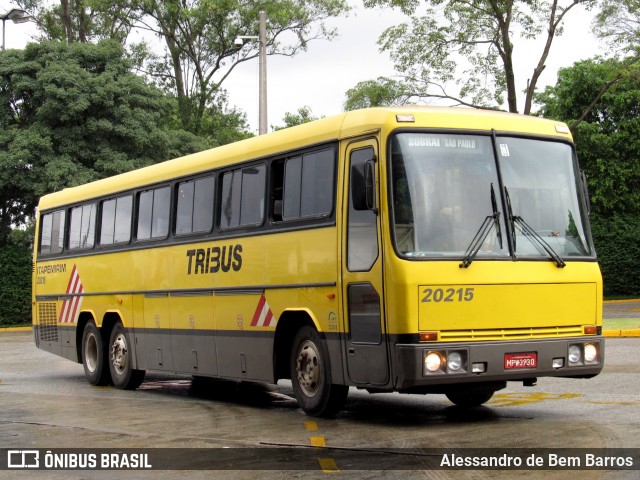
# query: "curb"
623,333
15,329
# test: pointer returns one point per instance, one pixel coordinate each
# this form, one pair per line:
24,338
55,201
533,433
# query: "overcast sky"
319,77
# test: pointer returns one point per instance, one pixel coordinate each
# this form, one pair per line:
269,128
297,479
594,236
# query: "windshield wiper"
483,232
531,233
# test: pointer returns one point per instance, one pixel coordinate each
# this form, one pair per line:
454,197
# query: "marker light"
405,118
590,353
590,330
428,336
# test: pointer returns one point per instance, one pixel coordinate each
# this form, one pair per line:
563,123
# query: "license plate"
520,360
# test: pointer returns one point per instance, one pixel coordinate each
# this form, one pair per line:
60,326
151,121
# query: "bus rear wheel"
123,375
469,399
311,376
93,355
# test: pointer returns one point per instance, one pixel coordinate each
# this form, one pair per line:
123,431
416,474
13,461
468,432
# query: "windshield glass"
445,186
442,187
543,189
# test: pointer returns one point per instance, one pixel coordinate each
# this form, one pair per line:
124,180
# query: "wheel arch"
289,323
108,322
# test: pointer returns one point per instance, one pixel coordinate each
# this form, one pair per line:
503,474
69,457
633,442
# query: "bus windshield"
446,195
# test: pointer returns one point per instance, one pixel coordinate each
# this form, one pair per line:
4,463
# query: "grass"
621,323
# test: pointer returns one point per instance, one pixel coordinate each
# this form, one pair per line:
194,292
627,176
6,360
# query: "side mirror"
363,186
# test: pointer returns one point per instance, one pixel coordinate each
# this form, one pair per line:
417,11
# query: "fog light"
433,361
575,354
479,367
590,353
454,361
557,363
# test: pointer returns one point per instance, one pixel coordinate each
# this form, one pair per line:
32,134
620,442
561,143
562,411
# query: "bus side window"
82,226
153,213
115,226
195,206
52,238
243,197
309,185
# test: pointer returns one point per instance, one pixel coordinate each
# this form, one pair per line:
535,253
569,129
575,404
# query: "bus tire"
470,399
93,355
123,375
311,376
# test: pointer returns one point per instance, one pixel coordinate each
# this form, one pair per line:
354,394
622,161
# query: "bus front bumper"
431,364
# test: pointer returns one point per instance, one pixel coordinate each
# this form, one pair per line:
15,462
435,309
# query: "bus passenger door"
364,322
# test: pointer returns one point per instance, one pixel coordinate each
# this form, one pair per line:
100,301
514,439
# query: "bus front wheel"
93,355
311,376
120,360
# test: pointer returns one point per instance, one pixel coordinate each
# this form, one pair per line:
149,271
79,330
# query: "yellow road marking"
310,426
328,465
518,399
318,442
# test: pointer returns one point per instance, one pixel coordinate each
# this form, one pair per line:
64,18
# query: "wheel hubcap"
119,354
308,368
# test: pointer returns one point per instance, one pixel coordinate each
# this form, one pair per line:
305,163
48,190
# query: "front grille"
510,333
48,321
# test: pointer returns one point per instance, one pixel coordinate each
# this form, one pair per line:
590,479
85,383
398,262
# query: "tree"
82,20
376,93
429,50
70,114
303,115
15,288
618,22
200,41
607,138
608,149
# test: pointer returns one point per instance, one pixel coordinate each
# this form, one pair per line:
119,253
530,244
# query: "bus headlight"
454,361
433,362
590,353
575,354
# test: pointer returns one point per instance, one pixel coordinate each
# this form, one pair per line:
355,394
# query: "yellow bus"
415,249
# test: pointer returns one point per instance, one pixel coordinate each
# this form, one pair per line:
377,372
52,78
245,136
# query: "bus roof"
344,125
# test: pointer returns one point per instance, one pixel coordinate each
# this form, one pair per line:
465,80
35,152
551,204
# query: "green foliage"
15,288
607,139
200,43
618,248
81,20
470,46
73,114
303,115
618,22
376,93
608,149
